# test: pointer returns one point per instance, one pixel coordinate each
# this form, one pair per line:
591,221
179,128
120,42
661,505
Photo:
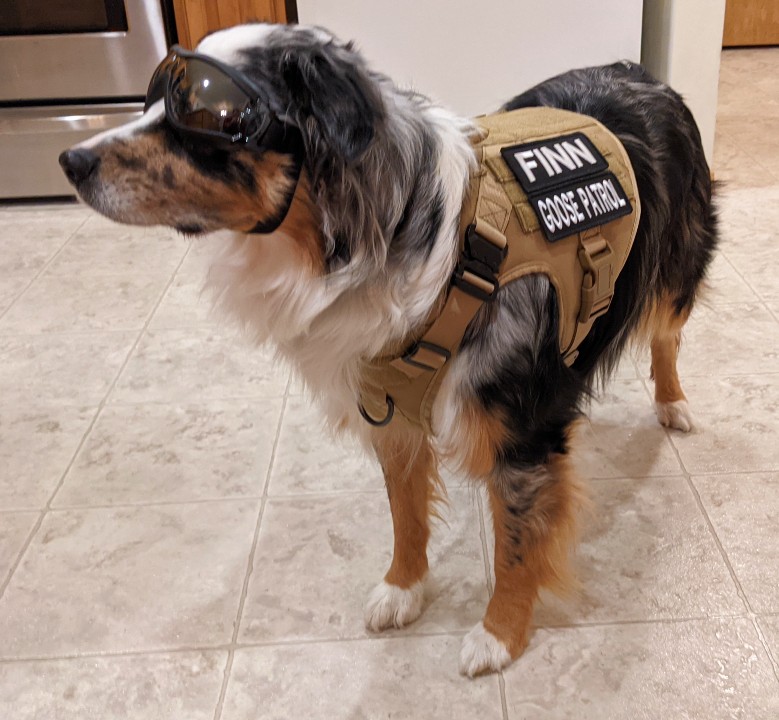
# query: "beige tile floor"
179,541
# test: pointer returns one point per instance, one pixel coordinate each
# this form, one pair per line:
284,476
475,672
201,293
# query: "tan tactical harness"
501,241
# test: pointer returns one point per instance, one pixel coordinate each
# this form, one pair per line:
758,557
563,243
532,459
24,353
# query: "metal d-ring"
385,420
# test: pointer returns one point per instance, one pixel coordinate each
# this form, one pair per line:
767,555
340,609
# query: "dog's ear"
333,100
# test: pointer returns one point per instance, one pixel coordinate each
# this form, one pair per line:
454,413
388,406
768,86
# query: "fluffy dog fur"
367,250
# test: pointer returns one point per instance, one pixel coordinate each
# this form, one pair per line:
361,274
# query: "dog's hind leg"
665,325
413,485
534,516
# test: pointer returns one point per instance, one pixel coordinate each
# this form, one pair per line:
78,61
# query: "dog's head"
148,172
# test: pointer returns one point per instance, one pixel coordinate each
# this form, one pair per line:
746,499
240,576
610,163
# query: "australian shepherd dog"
344,240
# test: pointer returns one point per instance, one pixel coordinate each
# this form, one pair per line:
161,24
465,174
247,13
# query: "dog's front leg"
411,477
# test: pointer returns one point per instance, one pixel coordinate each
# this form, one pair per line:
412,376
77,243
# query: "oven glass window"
47,17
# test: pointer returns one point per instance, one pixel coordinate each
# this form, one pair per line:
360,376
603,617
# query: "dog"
344,220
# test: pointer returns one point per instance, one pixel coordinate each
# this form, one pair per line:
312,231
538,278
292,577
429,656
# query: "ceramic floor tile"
176,686
198,364
736,428
622,437
155,453
740,103
758,266
308,460
744,222
408,678
318,559
744,510
188,304
11,287
737,339
202,252
735,169
758,62
29,241
713,669
645,553
36,445
155,577
725,285
759,138
73,369
626,369
56,304
14,529
101,247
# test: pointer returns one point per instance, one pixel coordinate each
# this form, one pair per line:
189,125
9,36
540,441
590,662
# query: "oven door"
78,49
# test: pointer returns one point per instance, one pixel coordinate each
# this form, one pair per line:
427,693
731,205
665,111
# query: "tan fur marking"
302,227
486,432
547,535
413,486
136,168
662,326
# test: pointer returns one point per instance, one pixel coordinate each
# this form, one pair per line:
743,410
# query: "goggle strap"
273,223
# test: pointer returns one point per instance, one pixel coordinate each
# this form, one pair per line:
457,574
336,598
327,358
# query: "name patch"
567,183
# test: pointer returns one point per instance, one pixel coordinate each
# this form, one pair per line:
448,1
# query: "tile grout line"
488,577
250,563
484,549
723,553
47,507
43,268
228,647
761,299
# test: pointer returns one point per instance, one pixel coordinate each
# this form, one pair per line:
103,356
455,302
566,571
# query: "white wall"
681,46
473,55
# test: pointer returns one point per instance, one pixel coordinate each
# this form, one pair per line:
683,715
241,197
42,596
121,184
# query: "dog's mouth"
190,229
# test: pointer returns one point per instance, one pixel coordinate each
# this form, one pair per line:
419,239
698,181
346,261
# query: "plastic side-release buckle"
597,259
484,251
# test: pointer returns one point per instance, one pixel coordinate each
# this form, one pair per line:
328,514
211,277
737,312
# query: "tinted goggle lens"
201,98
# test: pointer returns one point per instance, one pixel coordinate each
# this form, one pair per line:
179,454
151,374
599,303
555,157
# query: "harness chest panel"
554,193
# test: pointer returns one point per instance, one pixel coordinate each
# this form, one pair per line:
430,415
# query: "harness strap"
474,282
598,262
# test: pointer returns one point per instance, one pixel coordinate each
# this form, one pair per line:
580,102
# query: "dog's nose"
78,164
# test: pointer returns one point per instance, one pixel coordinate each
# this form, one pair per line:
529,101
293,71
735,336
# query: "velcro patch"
546,163
580,205
567,183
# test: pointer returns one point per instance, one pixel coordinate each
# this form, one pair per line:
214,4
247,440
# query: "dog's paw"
482,652
675,415
390,606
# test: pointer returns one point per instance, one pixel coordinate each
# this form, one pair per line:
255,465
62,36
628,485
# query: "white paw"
675,415
482,652
391,606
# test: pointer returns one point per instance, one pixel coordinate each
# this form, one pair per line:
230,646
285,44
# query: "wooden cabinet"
751,22
197,18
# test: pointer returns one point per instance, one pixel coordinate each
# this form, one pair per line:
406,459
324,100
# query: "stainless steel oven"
69,69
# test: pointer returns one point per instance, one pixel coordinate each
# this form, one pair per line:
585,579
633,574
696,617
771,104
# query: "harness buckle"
485,245
597,259
484,251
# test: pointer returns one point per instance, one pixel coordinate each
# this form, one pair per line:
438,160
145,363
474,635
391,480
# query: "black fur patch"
130,163
168,178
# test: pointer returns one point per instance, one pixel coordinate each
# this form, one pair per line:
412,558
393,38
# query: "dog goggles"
207,98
